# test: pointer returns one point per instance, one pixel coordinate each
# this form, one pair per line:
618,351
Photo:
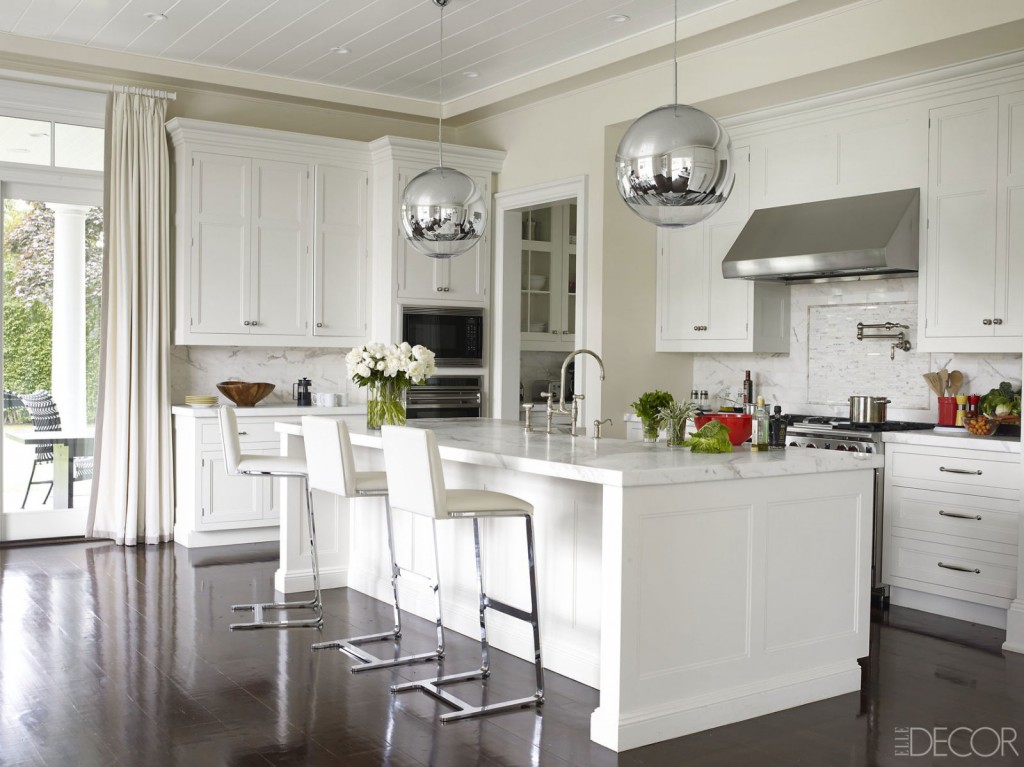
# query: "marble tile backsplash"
826,363
197,370
537,368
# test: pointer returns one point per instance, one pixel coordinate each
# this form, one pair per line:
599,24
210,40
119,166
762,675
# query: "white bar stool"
238,463
416,484
332,469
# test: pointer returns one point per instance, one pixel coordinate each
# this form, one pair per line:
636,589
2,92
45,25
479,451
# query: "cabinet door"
221,227
464,278
230,501
728,300
962,161
416,274
340,254
1010,232
683,281
280,257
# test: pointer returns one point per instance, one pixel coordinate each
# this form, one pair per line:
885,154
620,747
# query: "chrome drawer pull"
958,568
959,516
960,471
242,433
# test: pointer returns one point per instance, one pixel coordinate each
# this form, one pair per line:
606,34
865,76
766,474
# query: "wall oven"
455,335
445,397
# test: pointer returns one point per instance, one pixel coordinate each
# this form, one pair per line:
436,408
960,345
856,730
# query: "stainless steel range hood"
852,238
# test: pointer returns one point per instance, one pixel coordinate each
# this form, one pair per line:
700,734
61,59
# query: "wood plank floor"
122,656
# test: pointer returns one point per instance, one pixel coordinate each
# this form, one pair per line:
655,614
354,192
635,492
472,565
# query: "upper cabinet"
698,309
270,237
971,296
402,276
548,290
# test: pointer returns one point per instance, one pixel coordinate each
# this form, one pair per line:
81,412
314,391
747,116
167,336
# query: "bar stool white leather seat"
238,463
331,468
416,484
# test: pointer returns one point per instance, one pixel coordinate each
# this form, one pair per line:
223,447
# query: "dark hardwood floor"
114,655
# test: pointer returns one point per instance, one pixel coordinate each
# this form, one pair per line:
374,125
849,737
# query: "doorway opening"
540,291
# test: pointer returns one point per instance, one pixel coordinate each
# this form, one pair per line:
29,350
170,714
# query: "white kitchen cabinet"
548,289
975,255
270,237
462,279
211,507
340,254
950,529
701,311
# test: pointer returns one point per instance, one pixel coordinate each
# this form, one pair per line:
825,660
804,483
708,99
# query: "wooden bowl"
244,394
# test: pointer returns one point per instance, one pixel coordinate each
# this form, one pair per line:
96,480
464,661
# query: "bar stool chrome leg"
434,686
316,603
352,645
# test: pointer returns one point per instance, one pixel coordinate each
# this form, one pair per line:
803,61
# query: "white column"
68,366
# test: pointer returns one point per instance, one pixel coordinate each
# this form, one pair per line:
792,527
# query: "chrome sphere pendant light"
674,166
443,213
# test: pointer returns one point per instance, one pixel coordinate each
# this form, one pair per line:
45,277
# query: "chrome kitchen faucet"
575,411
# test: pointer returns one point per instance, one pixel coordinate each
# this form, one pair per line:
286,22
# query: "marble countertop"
276,411
959,439
616,462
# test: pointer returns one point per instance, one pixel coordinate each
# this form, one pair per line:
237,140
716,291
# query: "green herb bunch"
650,403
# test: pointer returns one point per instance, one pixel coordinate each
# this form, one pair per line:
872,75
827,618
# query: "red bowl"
740,425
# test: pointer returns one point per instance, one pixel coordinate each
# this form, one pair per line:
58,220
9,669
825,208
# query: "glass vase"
675,433
650,429
385,403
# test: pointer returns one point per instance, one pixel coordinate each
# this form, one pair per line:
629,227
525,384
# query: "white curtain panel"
132,494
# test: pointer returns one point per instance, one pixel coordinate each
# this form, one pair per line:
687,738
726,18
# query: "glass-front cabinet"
548,289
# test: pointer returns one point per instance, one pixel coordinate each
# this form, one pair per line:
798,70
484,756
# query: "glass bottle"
777,430
748,389
703,402
759,438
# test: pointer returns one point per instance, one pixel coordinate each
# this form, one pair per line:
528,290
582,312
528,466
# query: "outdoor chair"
45,417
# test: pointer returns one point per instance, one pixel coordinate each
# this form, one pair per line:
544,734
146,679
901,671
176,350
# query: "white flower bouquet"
387,371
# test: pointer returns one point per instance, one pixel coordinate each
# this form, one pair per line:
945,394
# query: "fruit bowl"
244,394
740,425
981,425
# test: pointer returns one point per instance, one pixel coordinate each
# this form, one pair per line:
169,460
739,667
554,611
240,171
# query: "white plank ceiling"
392,44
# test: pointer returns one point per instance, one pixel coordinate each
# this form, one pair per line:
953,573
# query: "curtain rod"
169,95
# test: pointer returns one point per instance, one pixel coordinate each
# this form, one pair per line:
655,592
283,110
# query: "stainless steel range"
830,433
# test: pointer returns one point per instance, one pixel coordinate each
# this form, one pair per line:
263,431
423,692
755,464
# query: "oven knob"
840,447
810,445
853,449
869,449
793,444
828,445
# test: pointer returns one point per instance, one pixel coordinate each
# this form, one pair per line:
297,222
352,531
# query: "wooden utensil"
934,383
956,381
944,381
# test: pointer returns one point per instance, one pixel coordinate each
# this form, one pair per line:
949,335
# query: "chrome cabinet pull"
243,433
254,323
959,516
246,322
959,471
986,322
997,321
440,289
319,324
960,568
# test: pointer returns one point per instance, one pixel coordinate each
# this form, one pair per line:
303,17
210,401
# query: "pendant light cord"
675,49
440,92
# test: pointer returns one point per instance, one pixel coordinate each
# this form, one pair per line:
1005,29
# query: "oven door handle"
442,406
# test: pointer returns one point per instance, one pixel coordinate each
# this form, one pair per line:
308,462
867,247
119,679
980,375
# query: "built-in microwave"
456,336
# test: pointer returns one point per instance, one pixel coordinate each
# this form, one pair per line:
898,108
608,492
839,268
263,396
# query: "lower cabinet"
211,507
950,530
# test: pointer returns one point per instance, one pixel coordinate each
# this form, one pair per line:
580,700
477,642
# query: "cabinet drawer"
966,516
981,572
248,432
968,472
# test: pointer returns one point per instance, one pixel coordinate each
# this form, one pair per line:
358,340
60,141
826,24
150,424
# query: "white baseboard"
1015,627
644,726
330,578
951,608
194,539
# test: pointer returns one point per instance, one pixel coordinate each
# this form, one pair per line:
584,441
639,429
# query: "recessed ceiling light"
156,16
341,50
470,73
618,18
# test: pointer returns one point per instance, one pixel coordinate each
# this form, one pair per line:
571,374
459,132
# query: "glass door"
52,254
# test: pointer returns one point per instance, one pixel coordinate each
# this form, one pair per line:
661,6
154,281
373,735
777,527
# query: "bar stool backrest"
413,466
329,460
229,438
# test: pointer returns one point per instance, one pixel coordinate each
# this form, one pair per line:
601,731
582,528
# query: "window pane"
26,141
78,147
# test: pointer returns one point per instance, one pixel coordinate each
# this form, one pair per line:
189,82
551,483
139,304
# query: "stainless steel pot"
868,409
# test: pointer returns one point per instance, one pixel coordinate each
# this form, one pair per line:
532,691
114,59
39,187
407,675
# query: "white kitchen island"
692,590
